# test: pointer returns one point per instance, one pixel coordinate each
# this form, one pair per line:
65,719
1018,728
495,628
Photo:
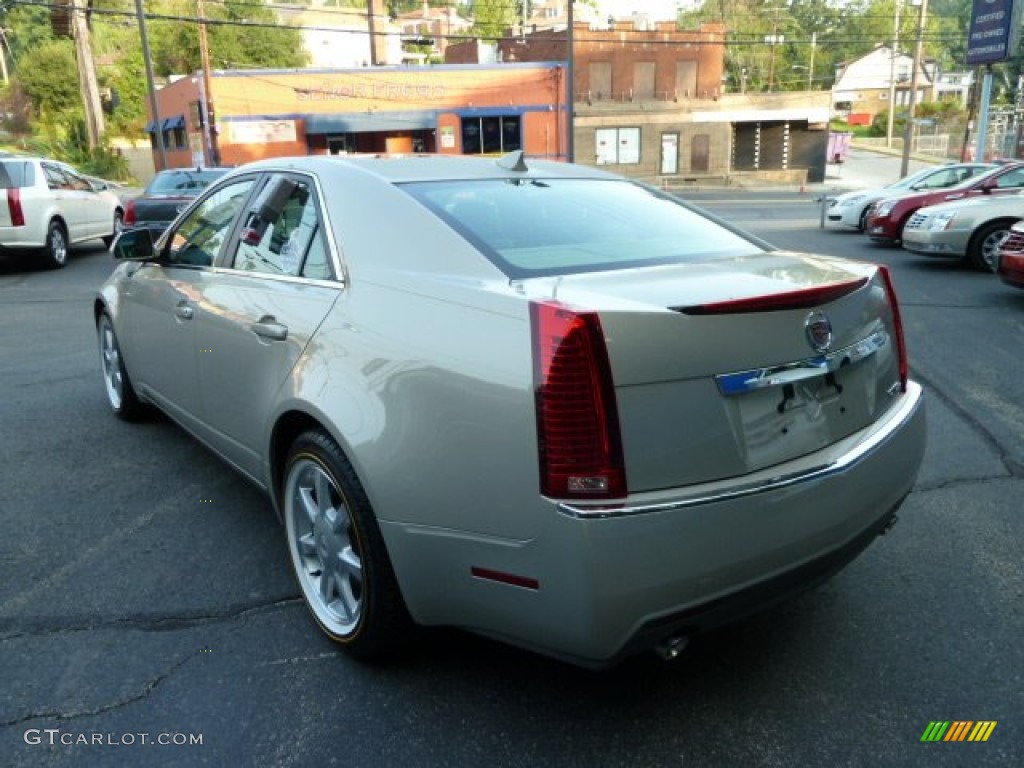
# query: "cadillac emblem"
818,328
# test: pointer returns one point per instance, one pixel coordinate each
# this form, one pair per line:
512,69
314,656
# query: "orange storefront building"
450,109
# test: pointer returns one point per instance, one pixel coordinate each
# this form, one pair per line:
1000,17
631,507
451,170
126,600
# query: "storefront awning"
151,126
174,122
361,122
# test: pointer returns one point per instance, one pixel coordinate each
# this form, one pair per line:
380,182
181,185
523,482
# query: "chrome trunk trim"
741,382
714,493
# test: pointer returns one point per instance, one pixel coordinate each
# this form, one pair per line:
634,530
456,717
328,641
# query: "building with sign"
459,109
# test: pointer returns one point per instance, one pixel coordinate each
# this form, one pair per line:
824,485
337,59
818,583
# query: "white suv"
51,206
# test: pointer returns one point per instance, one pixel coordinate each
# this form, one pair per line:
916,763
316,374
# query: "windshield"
980,178
186,183
535,227
913,179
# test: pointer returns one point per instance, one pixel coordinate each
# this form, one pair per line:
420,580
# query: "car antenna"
513,161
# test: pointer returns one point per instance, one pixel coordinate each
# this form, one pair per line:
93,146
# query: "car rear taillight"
129,214
578,435
897,321
14,207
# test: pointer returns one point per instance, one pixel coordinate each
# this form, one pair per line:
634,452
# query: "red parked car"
1011,257
886,218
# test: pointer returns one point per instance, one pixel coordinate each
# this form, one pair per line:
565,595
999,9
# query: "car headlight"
941,221
885,207
846,202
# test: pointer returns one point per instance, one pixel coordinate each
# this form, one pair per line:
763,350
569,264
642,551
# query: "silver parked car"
534,400
972,228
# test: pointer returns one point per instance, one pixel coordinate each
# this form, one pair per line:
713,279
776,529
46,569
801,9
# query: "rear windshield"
188,183
536,227
16,173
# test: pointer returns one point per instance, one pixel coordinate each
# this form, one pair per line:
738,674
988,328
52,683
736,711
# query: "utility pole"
570,139
209,119
87,74
371,28
158,135
810,69
908,133
892,73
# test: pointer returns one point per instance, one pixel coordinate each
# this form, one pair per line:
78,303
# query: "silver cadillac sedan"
533,400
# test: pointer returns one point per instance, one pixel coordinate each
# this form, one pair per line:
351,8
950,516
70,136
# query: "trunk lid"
714,365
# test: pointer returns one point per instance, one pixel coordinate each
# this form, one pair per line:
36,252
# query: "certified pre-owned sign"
994,30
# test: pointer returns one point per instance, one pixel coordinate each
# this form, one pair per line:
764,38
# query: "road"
147,595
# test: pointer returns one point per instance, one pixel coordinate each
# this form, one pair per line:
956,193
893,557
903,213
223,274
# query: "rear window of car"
187,183
17,173
537,227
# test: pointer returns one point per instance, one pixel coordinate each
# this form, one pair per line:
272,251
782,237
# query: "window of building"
491,135
617,146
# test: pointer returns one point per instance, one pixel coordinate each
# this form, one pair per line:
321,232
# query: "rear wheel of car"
337,551
118,226
56,249
120,393
983,250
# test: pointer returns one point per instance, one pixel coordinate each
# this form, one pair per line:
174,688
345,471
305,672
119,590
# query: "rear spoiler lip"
801,298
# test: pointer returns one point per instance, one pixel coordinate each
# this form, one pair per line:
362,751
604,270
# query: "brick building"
445,109
649,103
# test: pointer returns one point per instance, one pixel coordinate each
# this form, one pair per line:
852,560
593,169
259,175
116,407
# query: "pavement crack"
1013,467
148,687
47,626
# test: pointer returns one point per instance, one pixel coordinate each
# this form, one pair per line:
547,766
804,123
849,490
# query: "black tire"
108,240
332,534
120,394
983,249
862,222
55,251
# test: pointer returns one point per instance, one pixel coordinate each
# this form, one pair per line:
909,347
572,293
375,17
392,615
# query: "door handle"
184,311
268,328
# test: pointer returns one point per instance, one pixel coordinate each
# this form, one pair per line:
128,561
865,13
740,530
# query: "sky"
658,9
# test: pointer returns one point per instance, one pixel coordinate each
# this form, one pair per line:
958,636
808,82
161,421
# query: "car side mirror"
133,245
268,207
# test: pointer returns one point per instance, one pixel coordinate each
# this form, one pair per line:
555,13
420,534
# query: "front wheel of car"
983,250
55,251
862,222
120,393
338,553
118,226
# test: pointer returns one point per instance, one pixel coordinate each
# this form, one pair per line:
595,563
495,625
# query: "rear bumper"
1011,269
607,583
21,238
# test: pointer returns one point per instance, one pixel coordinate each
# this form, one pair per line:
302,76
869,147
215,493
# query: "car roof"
408,168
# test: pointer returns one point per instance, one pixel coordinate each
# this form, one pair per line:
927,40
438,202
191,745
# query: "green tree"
492,18
49,76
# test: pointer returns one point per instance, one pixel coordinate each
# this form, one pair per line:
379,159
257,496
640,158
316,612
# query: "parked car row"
967,219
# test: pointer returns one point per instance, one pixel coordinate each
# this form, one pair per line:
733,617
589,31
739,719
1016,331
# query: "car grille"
1014,243
916,221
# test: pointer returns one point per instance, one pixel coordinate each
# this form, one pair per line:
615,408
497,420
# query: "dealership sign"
994,31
